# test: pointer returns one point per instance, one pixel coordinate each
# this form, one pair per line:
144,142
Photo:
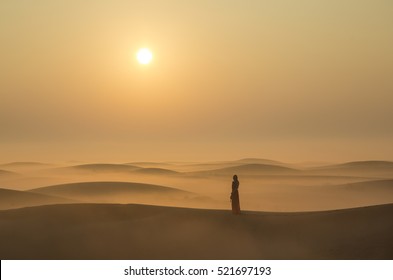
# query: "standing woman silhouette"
235,196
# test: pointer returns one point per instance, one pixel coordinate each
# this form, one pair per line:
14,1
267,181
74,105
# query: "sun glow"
144,56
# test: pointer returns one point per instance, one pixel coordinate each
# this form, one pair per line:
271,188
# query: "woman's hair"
234,177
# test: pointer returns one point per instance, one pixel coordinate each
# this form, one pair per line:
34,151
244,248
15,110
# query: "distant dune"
120,192
148,164
258,161
367,164
10,199
94,231
103,188
251,169
23,164
385,186
358,168
103,167
208,166
121,168
155,171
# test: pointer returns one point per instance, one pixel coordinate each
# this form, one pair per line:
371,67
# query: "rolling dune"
10,199
25,165
122,192
374,186
250,169
382,169
155,171
96,231
103,167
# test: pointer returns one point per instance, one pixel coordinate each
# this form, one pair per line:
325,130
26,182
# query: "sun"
144,56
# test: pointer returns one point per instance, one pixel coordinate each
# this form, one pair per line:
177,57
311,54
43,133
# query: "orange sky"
287,80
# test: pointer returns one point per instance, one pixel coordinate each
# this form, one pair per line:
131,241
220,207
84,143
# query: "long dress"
235,198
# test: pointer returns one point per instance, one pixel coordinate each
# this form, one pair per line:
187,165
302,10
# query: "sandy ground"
108,231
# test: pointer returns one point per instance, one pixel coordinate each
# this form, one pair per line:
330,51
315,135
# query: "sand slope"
96,231
4,173
120,192
375,185
25,165
10,199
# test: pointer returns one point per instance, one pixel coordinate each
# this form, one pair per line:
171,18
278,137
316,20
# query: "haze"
289,80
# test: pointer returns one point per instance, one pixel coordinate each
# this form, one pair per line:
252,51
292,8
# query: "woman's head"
235,177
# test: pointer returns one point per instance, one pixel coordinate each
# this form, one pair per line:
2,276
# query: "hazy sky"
287,80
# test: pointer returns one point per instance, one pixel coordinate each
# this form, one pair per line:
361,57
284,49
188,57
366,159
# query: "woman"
235,196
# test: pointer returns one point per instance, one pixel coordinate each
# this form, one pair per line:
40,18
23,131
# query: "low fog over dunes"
265,185
94,231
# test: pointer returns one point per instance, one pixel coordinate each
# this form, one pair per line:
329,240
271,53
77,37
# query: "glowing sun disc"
144,56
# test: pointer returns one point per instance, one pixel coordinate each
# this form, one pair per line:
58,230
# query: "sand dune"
25,164
10,199
94,231
251,169
155,171
90,188
367,164
149,164
376,185
258,161
208,166
263,187
122,192
104,167
365,168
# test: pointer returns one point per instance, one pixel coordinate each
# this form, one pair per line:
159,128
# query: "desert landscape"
178,210
123,124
